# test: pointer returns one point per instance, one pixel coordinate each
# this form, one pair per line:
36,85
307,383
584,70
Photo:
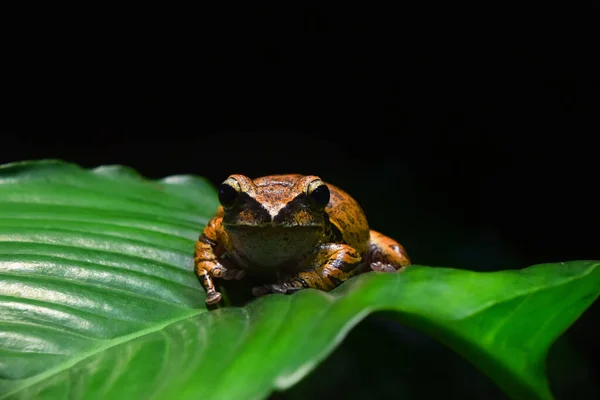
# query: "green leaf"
98,300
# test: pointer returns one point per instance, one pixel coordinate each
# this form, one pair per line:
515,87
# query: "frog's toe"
218,272
213,297
378,266
293,289
278,288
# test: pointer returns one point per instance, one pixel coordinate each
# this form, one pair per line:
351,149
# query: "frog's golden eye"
318,193
228,192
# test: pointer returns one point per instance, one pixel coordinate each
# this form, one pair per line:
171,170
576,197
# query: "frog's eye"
318,193
228,192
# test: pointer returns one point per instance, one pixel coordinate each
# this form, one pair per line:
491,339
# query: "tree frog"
294,229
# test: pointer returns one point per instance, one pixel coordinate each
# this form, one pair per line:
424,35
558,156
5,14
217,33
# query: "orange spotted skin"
294,229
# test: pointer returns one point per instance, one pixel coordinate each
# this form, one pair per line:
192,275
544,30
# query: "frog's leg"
207,264
328,267
385,254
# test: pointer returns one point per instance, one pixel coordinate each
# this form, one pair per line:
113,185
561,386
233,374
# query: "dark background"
470,140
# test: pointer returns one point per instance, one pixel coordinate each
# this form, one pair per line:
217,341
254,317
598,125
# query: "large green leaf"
98,300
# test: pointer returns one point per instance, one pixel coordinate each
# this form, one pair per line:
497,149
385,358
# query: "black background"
469,139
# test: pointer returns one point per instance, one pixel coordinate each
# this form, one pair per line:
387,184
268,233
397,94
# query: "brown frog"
296,229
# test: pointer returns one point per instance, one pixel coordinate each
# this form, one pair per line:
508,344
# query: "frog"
295,231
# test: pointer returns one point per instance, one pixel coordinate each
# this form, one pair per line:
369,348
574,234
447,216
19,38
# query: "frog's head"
274,201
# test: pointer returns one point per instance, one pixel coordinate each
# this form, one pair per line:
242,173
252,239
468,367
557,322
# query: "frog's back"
348,217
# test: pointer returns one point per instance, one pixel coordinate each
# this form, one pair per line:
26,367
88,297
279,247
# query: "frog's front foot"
283,288
213,297
207,270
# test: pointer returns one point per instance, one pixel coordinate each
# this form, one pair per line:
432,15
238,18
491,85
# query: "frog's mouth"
273,246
